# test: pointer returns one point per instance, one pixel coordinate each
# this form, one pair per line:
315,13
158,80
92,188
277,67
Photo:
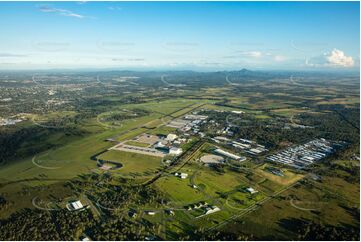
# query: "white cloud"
253,54
60,11
335,58
338,58
279,58
11,55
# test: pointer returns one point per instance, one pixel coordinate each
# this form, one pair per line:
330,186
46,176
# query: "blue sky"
180,35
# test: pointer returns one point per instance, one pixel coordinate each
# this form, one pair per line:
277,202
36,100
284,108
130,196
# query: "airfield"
206,198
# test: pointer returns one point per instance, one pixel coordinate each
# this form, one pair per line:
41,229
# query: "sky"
180,35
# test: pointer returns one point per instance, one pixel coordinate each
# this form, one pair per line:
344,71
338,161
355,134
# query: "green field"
134,164
288,178
178,190
72,158
135,143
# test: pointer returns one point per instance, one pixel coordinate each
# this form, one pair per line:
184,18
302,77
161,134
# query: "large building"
175,151
230,155
74,206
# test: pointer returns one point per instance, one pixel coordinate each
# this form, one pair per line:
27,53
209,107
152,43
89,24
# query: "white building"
251,190
181,175
237,112
171,137
225,153
212,209
175,151
74,206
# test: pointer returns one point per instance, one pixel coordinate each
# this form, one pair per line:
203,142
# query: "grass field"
288,178
283,220
213,182
163,130
135,143
178,190
133,164
241,200
73,157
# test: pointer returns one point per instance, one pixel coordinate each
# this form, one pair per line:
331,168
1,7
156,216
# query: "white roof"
77,205
171,136
237,112
251,190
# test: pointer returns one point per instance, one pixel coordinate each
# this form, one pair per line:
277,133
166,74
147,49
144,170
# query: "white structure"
237,112
175,151
195,117
85,238
254,150
74,206
221,138
171,137
225,153
159,144
181,175
212,209
251,190
150,213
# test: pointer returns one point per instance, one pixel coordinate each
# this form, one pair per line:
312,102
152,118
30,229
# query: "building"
237,112
175,151
74,206
84,238
181,175
170,212
132,214
212,209
195,117
251,190
171,137
225,153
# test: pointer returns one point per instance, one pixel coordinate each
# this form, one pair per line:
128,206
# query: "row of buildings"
305,154
249,146
189,124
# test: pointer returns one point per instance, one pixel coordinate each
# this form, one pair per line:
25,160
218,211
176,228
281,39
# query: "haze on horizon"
180,35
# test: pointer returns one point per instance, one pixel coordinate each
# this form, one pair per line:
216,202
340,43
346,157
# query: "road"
252,207
91,205
231,83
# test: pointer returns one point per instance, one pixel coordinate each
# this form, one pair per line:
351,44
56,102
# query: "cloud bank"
335,58
338,58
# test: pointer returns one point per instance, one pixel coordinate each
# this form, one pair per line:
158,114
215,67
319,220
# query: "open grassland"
348,100
135,143
288,178
74,158
212,182
133,164
178,190
240,200
163,130
164,107
288,112
283,216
